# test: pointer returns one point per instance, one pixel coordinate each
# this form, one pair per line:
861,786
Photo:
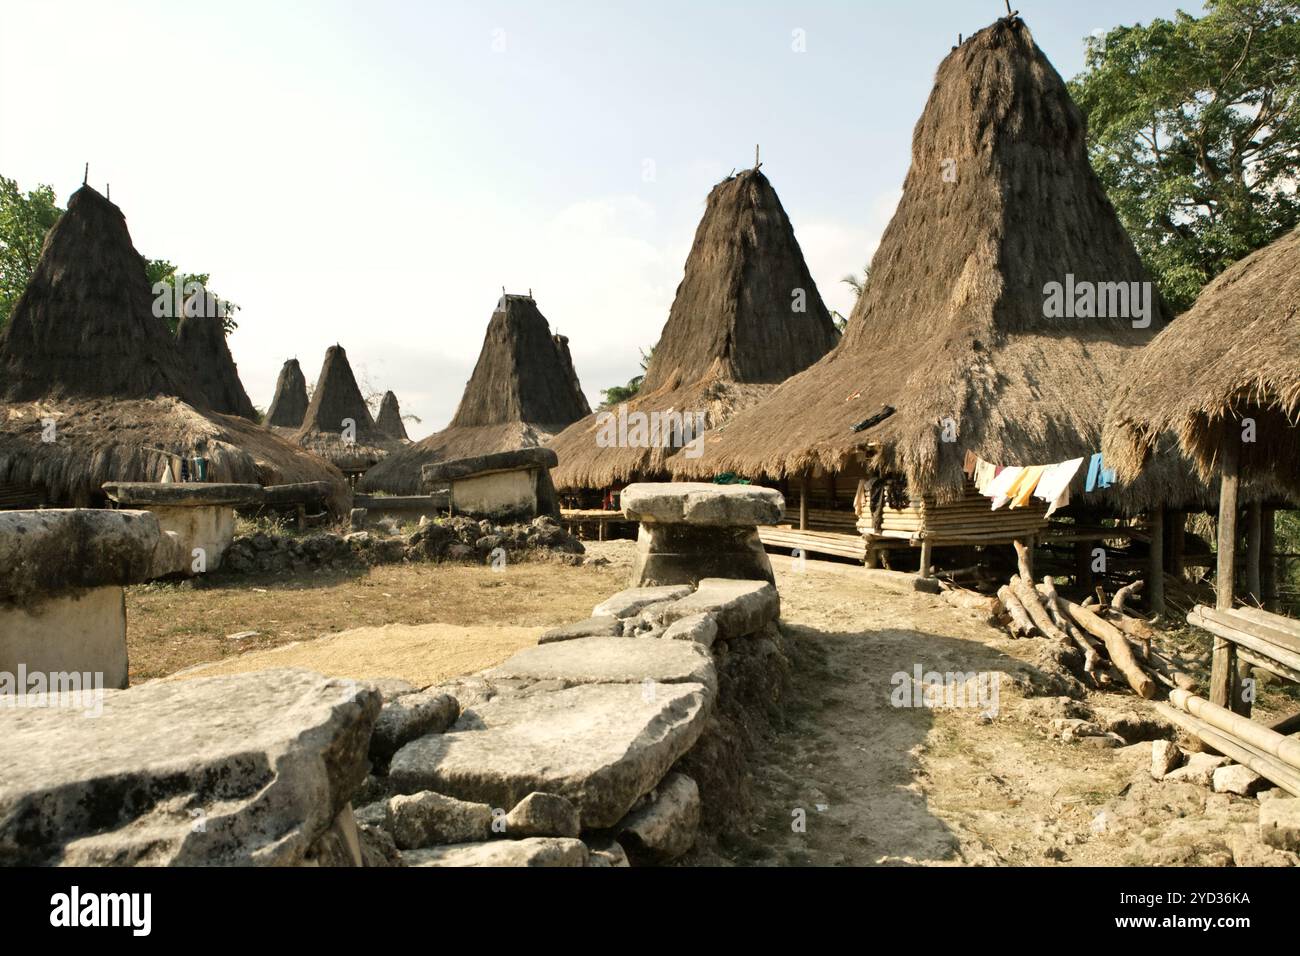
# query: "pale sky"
373,173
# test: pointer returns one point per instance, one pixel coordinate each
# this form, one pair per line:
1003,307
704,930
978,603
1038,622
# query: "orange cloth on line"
1024,488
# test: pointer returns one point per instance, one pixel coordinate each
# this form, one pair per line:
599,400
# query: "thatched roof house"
94,389
1234,355
957,334
389,419
746,316
523,391
289,404
201,339
338,426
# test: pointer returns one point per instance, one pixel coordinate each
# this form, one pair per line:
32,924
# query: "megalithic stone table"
692,530
201,513
504,486
62,610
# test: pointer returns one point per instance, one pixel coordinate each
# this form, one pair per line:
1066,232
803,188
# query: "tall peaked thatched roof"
389,419
951,331
85,325
746,316
95,388
1235,354
201,339
522,392
336,402
289,405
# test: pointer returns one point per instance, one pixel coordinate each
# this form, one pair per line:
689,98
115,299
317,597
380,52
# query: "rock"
608,853
1105,741
535,851
1274,794
629,602
407,717
372,814
1279,824
664,828
377,847
357,539
242,635
545,815
1135,728
605,625
1199,769
610,660
684,554
1237,779
249,769
461,552
357,518
428,818
738,608
391,688
1165,756
699,503
600,745
189,494
340,845
1249,852
700,628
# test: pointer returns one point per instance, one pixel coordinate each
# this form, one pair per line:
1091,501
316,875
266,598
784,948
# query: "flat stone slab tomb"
201,513
505,486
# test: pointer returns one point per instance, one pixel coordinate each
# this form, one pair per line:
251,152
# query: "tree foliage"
617,394
1194,129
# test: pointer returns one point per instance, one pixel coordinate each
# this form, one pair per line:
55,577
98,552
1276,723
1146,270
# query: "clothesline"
1015,485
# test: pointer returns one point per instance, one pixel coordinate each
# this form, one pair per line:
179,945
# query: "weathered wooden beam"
1156,570
1223,669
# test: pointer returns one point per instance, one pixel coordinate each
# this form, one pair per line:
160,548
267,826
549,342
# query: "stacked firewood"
1116,646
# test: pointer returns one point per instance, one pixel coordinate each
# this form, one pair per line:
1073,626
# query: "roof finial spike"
85,177
756,162
108,190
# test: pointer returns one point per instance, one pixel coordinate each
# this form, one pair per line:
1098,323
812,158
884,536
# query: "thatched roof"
746,316
336,401
289,405
85,326
1000,200
95,386
523,391
389,419
201,339
1235,354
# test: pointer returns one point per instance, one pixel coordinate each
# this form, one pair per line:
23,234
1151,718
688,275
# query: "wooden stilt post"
803,502
1268,559
830,486
1223,671
1175,534
1254,536
1156,570
1083,565
927,557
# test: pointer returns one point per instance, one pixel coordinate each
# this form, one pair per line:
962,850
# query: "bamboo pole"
1270,768
1156,572
1268,557
1223,669
803,502
1254,536
1256,735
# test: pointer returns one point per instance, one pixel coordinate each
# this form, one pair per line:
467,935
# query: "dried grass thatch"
523,391
335,403
289,406
389,419
1235,354
746,316
999,201
95,388
201,339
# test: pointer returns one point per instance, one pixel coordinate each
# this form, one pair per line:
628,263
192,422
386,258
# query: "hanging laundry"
1056,478
998,489
1099,476
1024,489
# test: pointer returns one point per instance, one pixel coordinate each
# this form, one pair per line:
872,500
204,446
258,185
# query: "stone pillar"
693,530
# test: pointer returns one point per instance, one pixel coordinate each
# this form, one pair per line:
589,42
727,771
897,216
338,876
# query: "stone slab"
700,503
606,625
737,607
523,458
186,494
611,660
78,637
232,771
630,601
664,829
684,553
601,746
61,550
535,851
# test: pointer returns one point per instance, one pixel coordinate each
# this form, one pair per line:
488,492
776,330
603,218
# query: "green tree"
616,394
1194,129
24,221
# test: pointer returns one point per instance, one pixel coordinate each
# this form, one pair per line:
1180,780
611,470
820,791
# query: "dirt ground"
871,783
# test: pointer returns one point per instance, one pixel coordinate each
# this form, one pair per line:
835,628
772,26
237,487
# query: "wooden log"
1268,767
1121,596
1254,539
1223,669
803,501
1156,569
1033,604
1257,736
1252,634
927,556
1025,558
1268,557
1121,655
1286,725
1021,622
